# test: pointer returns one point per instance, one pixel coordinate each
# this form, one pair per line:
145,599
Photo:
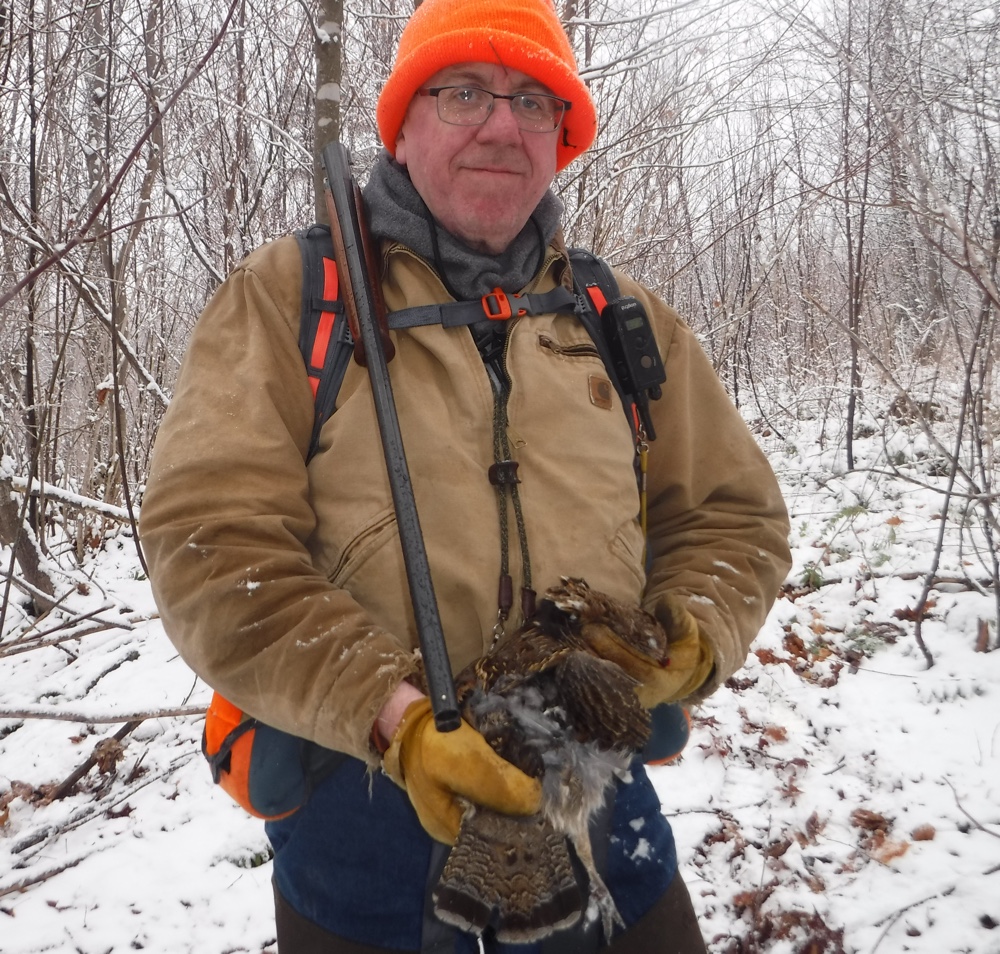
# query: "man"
282,584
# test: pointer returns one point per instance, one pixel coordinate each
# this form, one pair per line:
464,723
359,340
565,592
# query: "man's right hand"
438,768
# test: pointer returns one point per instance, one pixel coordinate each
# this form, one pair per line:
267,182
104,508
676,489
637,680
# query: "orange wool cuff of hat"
524,35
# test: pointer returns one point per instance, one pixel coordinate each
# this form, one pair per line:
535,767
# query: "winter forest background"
813,184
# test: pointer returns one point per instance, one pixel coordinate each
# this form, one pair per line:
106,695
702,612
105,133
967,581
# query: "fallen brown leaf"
814,825
107,754
793,644
778,848
814,882
870,821
22,790
790,790
910,614
983,637
767,657
885,849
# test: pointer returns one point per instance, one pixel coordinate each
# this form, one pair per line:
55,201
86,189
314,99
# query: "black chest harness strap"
497,306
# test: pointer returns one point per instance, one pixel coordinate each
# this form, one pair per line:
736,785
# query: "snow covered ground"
837,796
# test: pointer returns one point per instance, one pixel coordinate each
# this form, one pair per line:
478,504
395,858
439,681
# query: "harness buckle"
496,304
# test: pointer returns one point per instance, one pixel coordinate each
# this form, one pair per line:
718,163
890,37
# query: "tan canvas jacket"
283,585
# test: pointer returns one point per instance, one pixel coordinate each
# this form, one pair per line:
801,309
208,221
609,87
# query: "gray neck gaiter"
397,212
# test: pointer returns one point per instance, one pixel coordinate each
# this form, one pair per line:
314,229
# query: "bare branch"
99,718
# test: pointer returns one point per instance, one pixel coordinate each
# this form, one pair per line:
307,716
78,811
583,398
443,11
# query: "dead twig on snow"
896,915
81,770
26,883
961,808
93,718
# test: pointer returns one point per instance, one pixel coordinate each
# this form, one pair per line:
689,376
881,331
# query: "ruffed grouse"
549,700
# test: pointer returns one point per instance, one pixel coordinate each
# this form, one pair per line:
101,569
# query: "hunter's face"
481,182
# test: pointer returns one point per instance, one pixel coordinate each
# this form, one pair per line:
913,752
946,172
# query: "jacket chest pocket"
361,547
599,388
580,349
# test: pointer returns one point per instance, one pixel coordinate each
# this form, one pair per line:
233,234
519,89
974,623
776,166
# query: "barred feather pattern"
546,701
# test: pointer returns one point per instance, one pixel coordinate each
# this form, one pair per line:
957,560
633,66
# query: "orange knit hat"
524,35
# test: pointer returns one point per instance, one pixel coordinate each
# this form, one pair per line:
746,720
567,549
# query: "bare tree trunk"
329,84
14,533
239,153
855,230
30,413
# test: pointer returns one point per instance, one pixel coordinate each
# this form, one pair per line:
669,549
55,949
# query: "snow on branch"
39,487
98,718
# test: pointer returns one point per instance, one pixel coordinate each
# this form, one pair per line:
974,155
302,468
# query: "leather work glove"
436,769
690,657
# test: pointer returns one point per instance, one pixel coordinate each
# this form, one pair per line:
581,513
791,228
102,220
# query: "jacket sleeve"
226,516
717,523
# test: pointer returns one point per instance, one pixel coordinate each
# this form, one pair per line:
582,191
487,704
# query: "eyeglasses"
471,106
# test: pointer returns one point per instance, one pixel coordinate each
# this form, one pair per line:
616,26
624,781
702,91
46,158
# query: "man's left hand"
689,656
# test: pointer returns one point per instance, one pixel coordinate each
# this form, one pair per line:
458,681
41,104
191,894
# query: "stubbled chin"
490,187
487,187
488,225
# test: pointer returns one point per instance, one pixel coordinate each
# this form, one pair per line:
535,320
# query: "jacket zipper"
572,351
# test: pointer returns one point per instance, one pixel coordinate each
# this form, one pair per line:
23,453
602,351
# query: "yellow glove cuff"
690,656
437,769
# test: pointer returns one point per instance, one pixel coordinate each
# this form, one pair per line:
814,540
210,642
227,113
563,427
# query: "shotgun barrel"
362,298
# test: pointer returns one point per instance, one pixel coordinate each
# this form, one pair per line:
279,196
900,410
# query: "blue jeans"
356,861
